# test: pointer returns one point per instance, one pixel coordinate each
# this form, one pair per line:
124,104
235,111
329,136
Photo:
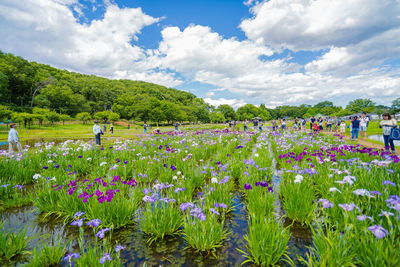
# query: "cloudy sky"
277,52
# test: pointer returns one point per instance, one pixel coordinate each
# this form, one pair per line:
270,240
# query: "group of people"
357,125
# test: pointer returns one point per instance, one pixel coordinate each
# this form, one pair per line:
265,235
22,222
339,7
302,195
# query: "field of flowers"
201,198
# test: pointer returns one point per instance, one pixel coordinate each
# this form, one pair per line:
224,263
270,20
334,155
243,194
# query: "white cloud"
47,31
202,55
313,25
235,103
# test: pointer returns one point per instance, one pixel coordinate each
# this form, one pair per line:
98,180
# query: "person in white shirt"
13,140
363,125
97,132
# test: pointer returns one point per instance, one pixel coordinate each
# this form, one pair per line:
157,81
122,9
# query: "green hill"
24,85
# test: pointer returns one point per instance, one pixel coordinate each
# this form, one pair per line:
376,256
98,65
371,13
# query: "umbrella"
256,118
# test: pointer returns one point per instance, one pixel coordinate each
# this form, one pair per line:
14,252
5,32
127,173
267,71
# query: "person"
245,125
312,120
329,124
355,127
320,122
13,139
145,127
255,124
274,125
387,124
97,132
157,131
129,126
111,128
336,123
283,126
176,126
363,125
295,124
104,127
342,127
260,126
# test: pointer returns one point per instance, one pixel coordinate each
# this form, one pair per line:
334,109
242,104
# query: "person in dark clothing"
312,122
355,127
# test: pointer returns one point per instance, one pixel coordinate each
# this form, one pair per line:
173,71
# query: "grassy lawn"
73,130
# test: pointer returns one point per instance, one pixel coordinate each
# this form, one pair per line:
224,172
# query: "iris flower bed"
184,186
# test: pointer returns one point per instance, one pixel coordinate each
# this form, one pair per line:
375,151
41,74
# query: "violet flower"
94,223
100,234
105,257
378,231
70,256
118,248
326,203
247,186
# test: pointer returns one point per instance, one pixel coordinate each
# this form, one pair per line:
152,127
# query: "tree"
323,104
228,112
217,116
40,114
65,117
113,116
3,87
396,105
53,117
83,116
359,105
5,113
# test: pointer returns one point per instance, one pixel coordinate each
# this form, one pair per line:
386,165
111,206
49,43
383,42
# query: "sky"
276,52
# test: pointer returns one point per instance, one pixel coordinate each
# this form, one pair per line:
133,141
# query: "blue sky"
277,52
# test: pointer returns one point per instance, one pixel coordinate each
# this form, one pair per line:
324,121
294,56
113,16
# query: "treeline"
31,91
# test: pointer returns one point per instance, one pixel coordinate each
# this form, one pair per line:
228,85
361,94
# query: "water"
379,137
170,251
31,142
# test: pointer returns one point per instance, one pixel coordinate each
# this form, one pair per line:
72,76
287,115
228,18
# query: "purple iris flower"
100,234
214,211
105,257
378,231
187,205
361,218
386,182
94,223
56,166
326,203
349,207
173,168
80,156
45,167
238,147
223,205
78,223
125,162
70,256
117,161
118,248
79,214
247,186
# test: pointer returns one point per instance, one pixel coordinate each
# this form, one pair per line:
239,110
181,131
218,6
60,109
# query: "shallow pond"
379,137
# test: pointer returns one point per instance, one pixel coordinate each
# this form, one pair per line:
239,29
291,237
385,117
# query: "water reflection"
379,137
